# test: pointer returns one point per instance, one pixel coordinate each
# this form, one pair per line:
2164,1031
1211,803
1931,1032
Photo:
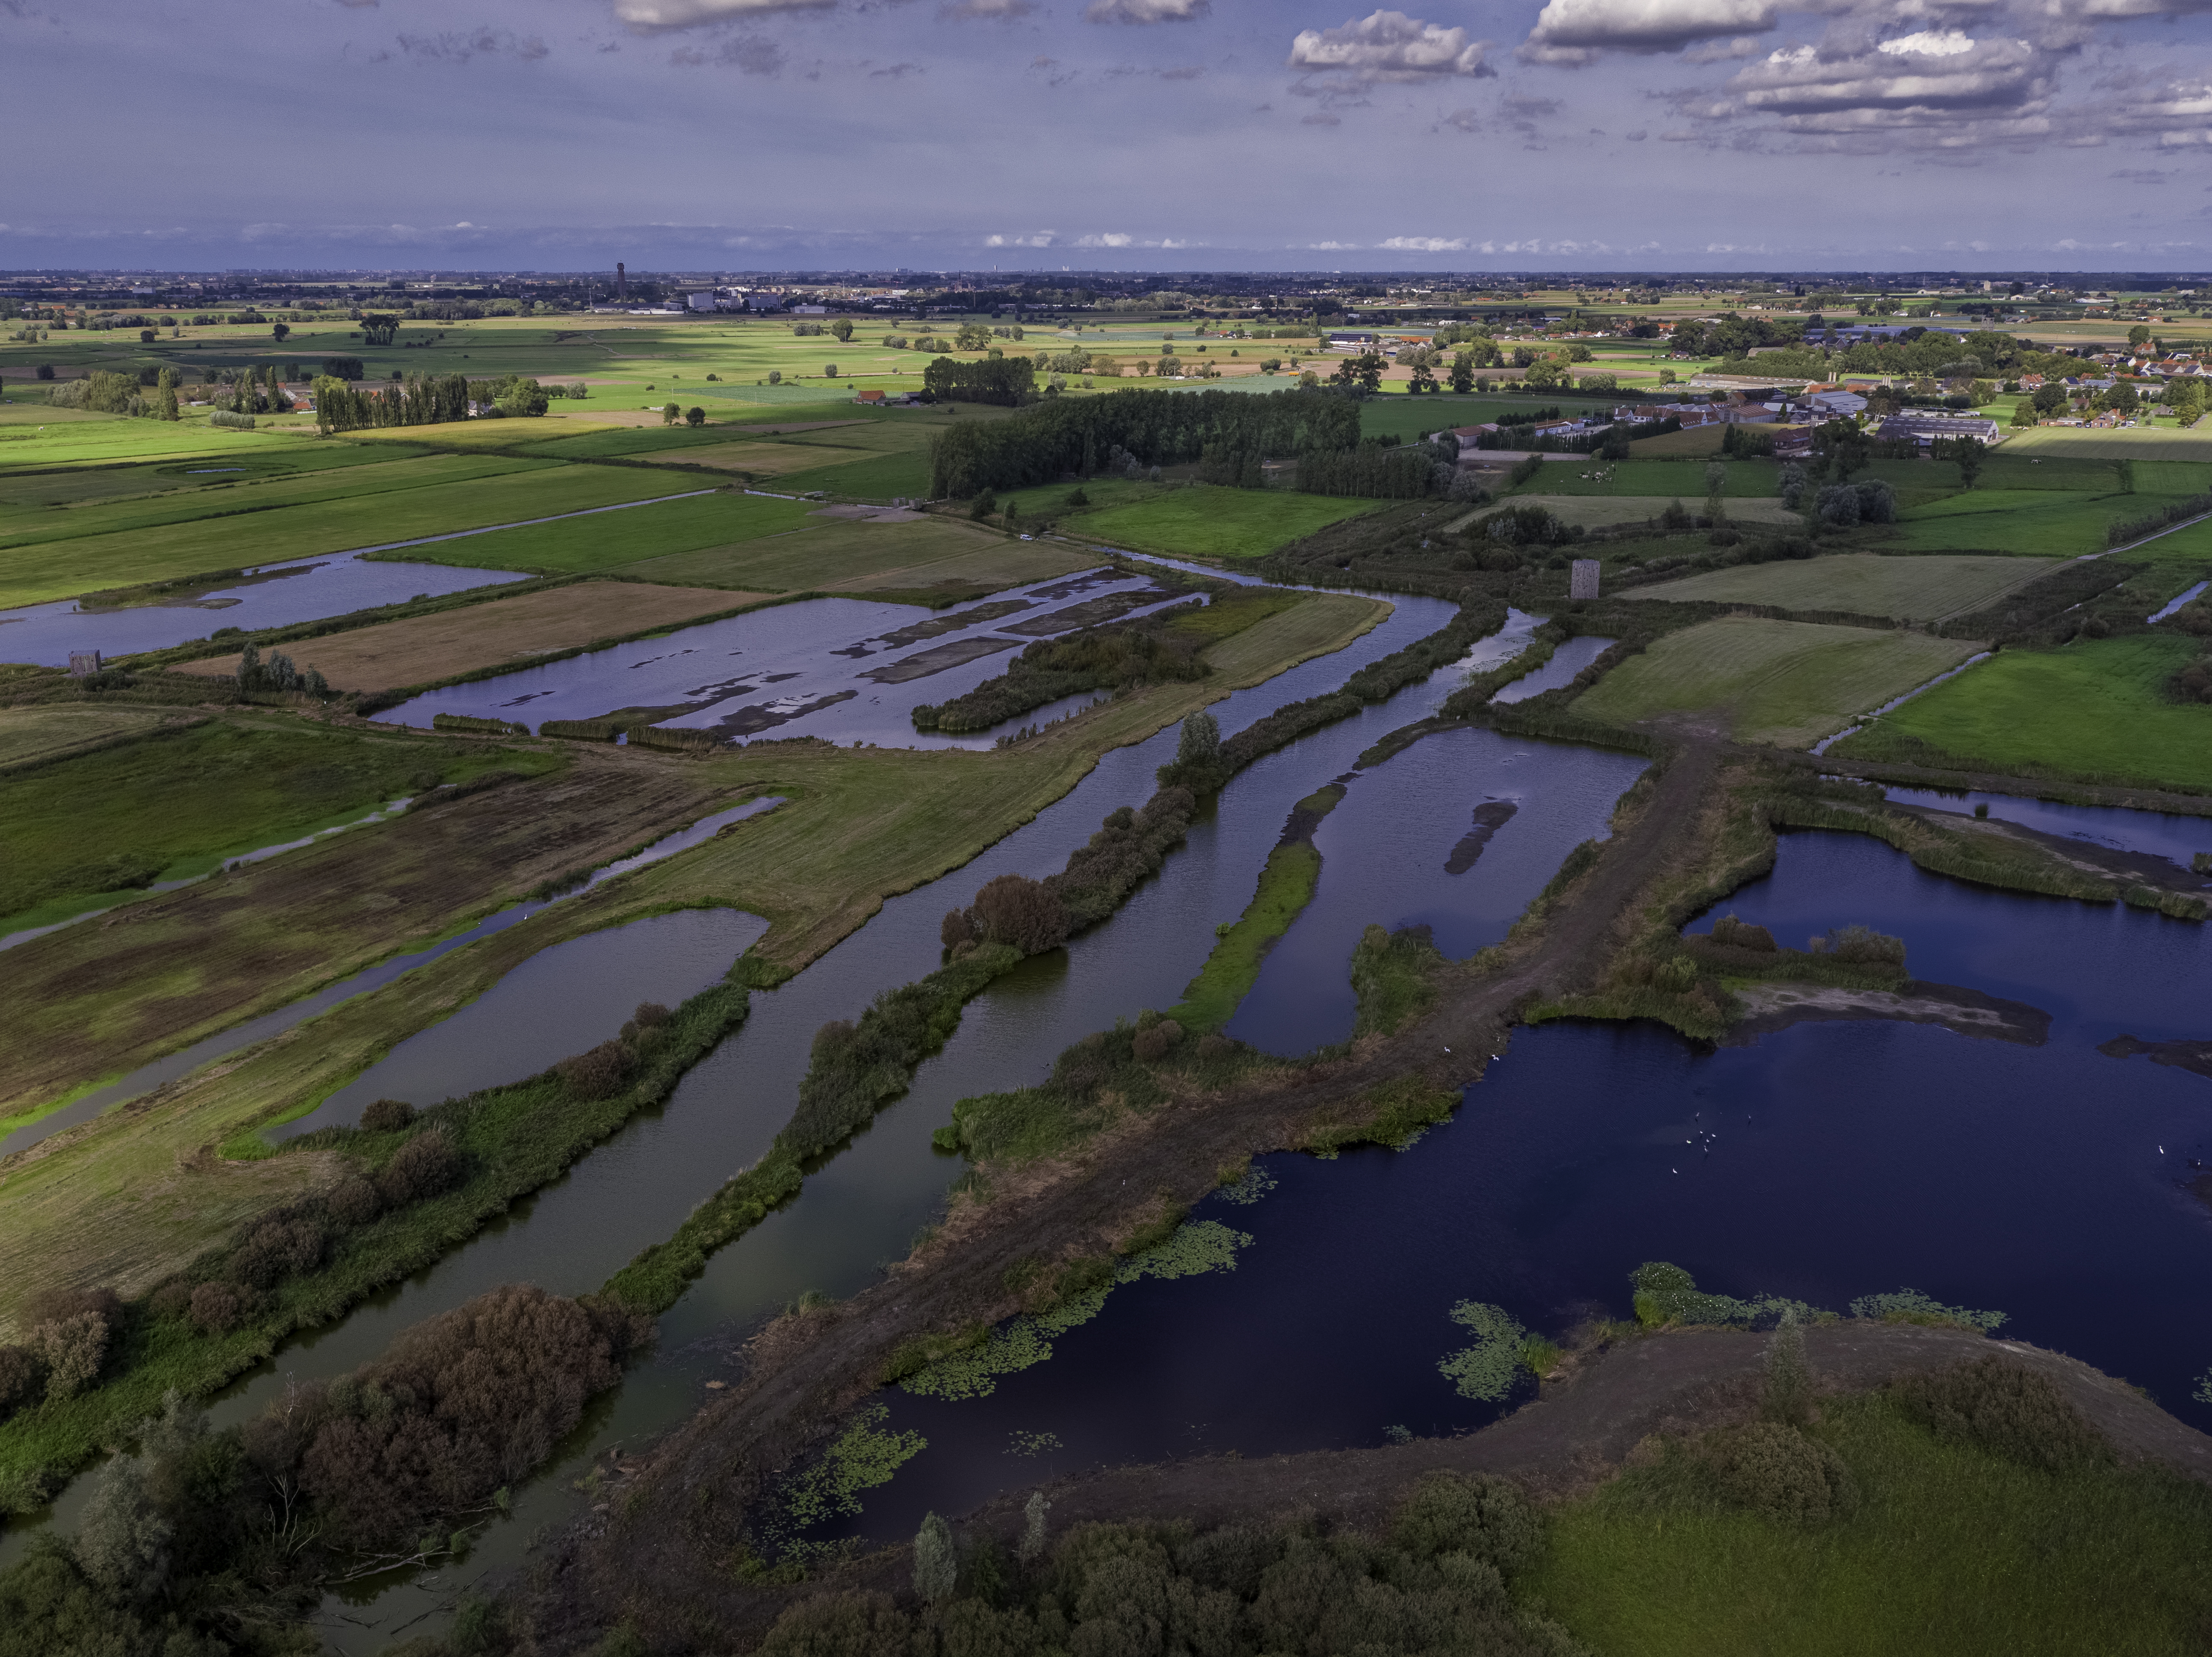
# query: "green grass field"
1906,589
2143,443
882,478
1662,480
1216,523
2018,521
2094,708
79,828
1784,682
33,436
80,486
35,733
819,553
21,525
519,490
1952,1550
1594,511
609,540
1286,886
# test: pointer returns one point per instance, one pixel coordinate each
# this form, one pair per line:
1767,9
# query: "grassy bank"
1952,1548
509,1140
1286,886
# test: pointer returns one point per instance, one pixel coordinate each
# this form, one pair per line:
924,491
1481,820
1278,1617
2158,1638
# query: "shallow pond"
1824,1162
265,595
847,670
2169,835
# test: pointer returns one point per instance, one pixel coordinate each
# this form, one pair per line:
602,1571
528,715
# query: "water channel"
1873,1154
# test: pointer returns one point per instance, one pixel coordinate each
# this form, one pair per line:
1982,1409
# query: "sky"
1039,135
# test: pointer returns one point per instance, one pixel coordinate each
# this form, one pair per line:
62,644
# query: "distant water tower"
622,282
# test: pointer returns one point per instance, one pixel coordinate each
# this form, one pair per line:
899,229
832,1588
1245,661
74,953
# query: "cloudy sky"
1108,134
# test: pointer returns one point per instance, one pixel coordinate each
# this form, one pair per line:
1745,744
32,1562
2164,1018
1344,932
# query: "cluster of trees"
1152,428
1842,505
427,399
2120,533
201,1534
278,673
1371,472
1003,380
1731,335
1115,658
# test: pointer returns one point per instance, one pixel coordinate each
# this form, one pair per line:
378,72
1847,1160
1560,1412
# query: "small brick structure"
1582,579
82,662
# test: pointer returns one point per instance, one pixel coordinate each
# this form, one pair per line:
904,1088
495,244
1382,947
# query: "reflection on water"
847,670
1826,1161
266,595
2162,834
560,1002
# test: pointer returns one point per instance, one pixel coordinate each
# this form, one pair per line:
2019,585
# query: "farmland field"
1908,589
1665,480
2141,444
1594,511
226,787
1218,523
1784,682
607,540
2019,521
424,647
842,555
2096,708
523,490
28,735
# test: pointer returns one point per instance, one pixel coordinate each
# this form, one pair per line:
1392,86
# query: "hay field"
1928,588
1784,682
497,631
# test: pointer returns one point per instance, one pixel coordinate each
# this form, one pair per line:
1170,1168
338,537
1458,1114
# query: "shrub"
217,1308
1776,1471
1786,1388
1154,1042
424,1167
1742,934
2006,1409
1677,977
601,1072
278,1249
22,1373
1024,913
839,1625
353,1202
1863,946
650,1015
122,1543
1476,1514
74,1348
387,1115
954,931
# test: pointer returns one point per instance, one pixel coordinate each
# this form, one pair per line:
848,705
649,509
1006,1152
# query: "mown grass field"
517,630
511,493
1659,480
127,1197
1951,1550
2019,521
1926,588
81,486
29,735
609,540
832,553
1784,682
1216,523
176,805
1597,510
2141,444
2095,707
34,435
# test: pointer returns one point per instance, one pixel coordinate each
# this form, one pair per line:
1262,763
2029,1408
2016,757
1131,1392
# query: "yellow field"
1926,588
1787,682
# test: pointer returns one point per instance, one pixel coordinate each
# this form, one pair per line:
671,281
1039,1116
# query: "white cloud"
1575,31
1034,239
1146,12
1389,45
1929,43
1424,244
1936,80
650,16
1106,239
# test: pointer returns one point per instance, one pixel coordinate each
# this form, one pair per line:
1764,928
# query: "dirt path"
686,1511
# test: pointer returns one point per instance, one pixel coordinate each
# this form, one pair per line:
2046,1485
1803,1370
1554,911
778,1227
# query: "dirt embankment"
686,1517
1777,1006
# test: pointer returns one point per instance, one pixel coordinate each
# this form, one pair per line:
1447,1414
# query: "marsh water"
265,595
1825,1161
847,670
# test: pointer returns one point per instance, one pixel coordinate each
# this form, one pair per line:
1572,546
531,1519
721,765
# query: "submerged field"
2097,708
1784,682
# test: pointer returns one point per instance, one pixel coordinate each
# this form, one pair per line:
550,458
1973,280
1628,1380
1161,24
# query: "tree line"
423,400
1152,427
